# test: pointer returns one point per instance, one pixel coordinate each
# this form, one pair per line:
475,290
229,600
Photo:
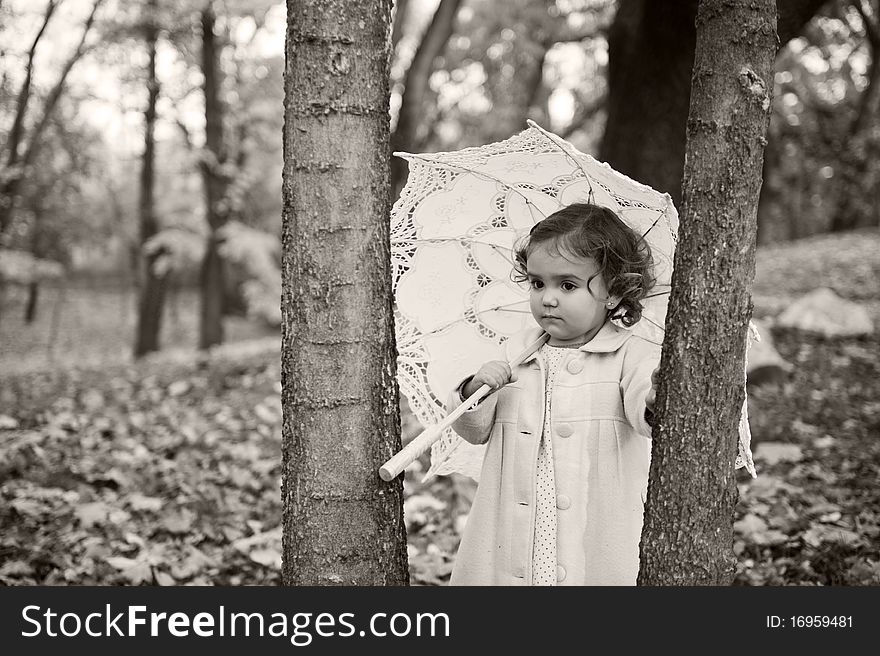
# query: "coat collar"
607,340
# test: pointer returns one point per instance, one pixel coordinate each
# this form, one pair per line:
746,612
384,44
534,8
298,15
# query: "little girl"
564,479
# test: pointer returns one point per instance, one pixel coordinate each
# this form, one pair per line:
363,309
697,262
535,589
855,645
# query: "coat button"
564,430
560,573
575,366
563,502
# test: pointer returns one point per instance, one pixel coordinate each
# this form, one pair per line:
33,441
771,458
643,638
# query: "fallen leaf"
178,522
121,562
194,562
821,533
29,507
16,568
138,501
178,388
165,579
749,525
772,453
93,513
770,537
267,557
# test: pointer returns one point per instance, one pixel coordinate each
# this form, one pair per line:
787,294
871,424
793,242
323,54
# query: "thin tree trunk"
55,324
152,292
407,135
650,59
859,187
30,311
342,524
211,279
687,537
24,93
401,9
18,163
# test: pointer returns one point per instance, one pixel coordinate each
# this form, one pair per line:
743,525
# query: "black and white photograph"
439,293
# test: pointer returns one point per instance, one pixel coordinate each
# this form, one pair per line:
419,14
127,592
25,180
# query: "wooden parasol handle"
419,444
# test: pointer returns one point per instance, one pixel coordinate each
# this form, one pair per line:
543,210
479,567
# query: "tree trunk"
11,176
688,532
342,524
30,310
33,298
152,291
401,8
650,59
211,279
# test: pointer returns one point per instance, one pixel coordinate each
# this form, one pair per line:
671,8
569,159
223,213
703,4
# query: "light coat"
601,454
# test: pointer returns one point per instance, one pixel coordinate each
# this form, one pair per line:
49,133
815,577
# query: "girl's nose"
549,299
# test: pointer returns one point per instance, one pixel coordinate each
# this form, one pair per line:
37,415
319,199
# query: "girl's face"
564,300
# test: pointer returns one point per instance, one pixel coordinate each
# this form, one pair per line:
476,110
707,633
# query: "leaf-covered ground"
167,473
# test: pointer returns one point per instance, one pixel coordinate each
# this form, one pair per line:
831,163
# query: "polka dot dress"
544,554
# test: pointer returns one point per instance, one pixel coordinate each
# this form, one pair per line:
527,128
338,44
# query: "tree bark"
651,53
152,291
342,524
212,278
688,532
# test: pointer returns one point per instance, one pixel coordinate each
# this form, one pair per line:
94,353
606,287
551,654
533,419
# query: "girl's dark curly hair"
587,230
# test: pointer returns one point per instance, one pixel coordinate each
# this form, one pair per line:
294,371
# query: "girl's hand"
650,398
496,374
652,395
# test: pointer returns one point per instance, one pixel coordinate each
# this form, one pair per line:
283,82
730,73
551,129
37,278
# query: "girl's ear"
612,302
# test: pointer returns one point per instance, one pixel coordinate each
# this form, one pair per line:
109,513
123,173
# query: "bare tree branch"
869,18
15,134
187,137
401,9
55,93
583,114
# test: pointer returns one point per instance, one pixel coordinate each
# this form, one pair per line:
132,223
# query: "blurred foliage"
508,61
22,268
505,61
79,201
814,144
846,262
256,259
90,321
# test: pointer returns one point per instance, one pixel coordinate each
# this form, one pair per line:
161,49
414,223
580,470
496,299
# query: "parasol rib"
558,143
507,308
479,174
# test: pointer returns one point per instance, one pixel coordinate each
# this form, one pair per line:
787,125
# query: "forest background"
140,207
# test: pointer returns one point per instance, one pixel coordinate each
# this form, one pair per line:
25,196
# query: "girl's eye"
568,286
536,284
